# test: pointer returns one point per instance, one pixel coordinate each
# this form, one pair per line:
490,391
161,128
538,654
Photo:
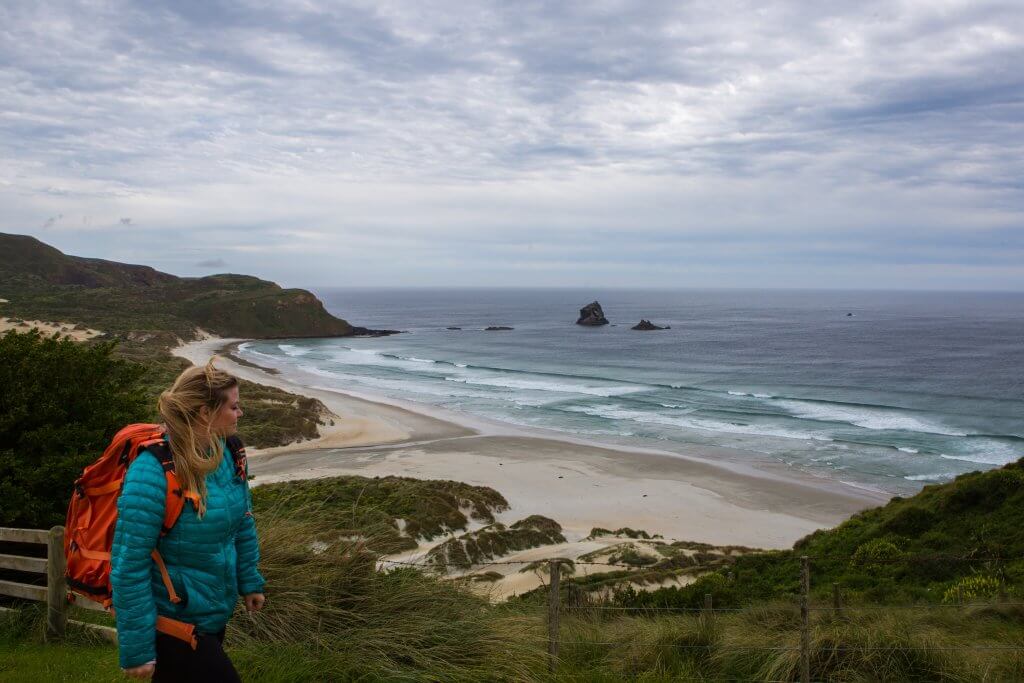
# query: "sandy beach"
581,485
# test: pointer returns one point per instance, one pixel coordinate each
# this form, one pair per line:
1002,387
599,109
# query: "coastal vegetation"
495,540
390,513
61,403
334,613
965,536
145,313
41,283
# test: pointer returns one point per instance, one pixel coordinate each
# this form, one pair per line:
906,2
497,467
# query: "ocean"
883,390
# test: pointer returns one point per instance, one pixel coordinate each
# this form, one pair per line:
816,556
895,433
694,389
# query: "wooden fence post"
837,603
56,586
555,568
706,614
805,622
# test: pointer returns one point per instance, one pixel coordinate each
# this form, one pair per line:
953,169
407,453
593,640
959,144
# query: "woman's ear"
204,414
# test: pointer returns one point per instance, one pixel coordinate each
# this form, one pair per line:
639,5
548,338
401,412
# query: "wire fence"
557,604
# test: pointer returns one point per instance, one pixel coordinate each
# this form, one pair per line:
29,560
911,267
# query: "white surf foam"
751,395
869,418
987,452
938,476
618,412
547,385
293,350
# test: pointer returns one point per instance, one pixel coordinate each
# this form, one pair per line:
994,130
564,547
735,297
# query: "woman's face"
225,420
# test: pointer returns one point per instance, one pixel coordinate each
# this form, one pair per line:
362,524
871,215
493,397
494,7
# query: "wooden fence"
54,593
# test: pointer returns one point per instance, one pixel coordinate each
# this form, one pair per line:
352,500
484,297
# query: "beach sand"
47,328
581,485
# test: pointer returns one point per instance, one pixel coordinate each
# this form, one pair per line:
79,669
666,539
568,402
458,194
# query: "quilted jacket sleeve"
140,513
248,548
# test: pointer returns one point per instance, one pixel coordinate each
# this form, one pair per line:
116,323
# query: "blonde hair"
196,450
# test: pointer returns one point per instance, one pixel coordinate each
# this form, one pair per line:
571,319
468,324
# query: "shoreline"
580,484
357,422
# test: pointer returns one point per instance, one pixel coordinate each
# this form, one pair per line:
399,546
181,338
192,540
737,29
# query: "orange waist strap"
177,629
174,628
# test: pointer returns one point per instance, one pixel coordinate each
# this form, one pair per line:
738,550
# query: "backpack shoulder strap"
175,498
237,449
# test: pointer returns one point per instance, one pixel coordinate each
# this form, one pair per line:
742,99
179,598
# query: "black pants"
177,661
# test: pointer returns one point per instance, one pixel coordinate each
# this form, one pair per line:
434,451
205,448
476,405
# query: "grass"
763,644
338,618
24,656
332,616
365,507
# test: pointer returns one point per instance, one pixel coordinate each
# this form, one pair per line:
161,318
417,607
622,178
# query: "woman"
210,554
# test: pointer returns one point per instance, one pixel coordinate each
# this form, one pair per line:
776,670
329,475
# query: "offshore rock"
592,315
497,328
648,325
364,332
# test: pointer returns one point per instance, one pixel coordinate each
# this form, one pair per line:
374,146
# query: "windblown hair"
196,450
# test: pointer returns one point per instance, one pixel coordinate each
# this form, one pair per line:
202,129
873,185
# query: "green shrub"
970,588
60,405
877,553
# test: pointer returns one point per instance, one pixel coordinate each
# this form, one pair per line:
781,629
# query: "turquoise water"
888,390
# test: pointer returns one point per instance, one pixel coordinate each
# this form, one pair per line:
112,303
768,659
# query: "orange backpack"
92,514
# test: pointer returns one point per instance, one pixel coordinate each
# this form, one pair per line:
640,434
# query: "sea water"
888,390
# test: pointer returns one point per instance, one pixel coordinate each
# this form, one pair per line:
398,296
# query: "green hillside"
952,542
148,312
42,283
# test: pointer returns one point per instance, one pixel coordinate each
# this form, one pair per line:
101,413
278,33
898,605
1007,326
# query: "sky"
579,144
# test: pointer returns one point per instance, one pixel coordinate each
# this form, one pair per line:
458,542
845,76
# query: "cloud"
878,132
213,263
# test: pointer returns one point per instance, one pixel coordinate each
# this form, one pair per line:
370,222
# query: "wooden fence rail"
54,593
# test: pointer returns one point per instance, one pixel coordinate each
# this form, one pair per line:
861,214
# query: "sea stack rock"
647,325
592,315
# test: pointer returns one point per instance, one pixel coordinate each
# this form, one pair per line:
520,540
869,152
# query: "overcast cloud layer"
721,144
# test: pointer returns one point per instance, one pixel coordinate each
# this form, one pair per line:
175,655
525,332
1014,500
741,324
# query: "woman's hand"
144,671
254,602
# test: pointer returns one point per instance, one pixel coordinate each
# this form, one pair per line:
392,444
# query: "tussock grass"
763,644
331,615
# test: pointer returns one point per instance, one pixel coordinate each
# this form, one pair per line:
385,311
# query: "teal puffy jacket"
211,561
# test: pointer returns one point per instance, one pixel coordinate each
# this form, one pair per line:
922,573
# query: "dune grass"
338,618
763,644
